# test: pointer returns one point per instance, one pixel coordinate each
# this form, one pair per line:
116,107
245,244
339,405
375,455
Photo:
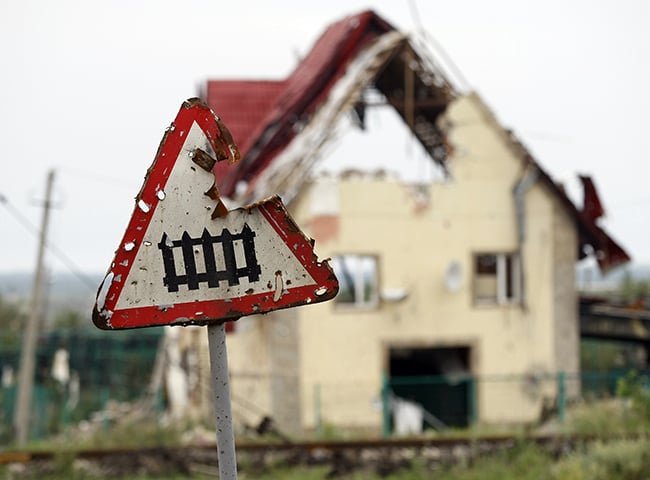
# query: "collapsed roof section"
282,126
591,237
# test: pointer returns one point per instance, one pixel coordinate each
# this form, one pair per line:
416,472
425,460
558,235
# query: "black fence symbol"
231,272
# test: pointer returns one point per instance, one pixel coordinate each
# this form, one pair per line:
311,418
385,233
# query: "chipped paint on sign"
185,259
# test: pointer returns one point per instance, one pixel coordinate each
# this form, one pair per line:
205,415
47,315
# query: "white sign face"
191,278
182,261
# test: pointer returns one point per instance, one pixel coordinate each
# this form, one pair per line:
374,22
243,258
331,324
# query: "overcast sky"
88,87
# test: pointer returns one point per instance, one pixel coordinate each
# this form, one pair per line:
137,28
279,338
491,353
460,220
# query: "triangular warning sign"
185,260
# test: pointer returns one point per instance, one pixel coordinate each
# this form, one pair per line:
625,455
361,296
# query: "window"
358,284
497,278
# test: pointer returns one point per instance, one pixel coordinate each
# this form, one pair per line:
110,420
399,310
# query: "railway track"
378,454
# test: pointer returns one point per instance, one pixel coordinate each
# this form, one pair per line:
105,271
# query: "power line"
428,38
56,251
95,176
415,13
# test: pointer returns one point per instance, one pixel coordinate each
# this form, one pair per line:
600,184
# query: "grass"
618,459
523,462
626,459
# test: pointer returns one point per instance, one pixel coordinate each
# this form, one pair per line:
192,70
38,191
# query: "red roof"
608,253
264,116
243,104
267,121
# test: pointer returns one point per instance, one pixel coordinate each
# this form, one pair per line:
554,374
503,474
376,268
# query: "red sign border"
204,311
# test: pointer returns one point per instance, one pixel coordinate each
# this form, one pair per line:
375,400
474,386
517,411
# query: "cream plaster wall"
341,354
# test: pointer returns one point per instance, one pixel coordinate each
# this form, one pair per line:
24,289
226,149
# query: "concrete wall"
565,299
327,366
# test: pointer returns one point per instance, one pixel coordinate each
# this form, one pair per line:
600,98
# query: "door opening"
435,378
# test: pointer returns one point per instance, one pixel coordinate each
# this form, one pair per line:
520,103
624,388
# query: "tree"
70,319
12,318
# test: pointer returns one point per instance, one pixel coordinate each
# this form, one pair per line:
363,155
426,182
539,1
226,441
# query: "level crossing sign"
185,259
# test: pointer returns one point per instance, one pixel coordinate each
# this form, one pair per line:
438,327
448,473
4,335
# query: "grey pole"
222,408
30,334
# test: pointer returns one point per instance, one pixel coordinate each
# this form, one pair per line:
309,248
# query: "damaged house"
465,276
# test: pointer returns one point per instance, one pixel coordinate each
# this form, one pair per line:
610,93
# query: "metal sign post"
185,259
222,408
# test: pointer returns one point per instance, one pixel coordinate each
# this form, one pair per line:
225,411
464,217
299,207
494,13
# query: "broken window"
358,280
497,278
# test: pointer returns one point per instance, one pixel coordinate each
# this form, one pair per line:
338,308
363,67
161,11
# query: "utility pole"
30,334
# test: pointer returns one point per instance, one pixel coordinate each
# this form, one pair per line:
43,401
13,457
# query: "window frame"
359,283
509,286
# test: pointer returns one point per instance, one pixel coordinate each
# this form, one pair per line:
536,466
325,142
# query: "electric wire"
97,177
429,39
56,251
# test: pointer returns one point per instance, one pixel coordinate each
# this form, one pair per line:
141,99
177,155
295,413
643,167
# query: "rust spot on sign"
220,209
226,137
204,160
224,145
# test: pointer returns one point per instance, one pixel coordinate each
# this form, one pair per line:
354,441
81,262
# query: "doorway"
437,378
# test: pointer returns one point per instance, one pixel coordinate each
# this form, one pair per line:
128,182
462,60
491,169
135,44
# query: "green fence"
103,366
464,400
118,366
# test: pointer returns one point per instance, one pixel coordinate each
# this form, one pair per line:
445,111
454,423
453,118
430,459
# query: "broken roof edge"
306,86
309,85
291,166
437,62
608,253
346,92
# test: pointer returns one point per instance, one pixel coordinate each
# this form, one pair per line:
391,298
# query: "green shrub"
603,418
634,388
523,462
620,460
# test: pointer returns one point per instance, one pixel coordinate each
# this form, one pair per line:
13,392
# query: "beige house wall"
250,370
324,363
565,301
